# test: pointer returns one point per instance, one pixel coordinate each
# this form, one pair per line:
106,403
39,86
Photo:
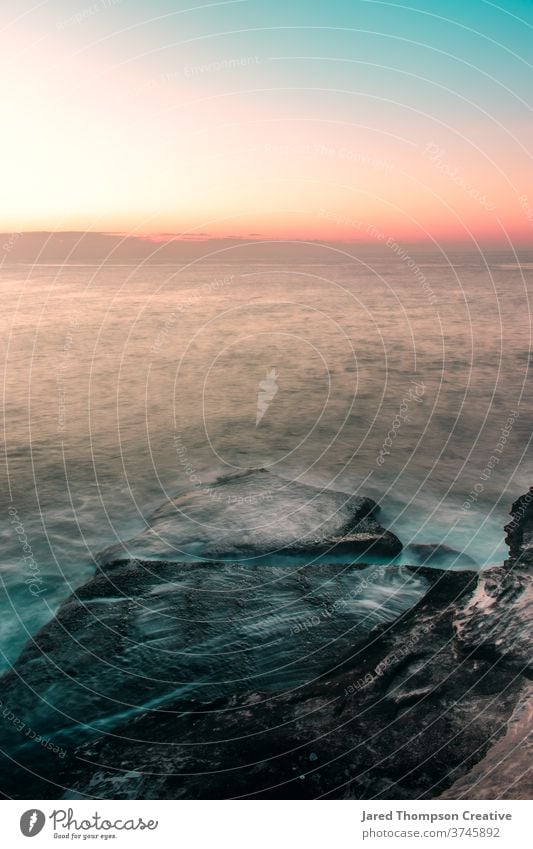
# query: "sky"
351,120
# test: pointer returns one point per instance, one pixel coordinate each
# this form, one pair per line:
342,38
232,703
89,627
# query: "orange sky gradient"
99,136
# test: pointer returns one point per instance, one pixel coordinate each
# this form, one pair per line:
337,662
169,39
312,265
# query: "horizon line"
251,238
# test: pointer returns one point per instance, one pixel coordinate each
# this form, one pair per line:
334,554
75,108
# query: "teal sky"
458,73
477,48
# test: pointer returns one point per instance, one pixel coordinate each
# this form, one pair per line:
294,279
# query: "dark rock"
423,706
505,771
411,709
254,514
520,531
146,633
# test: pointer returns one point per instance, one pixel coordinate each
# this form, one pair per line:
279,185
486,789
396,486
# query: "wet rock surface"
520,531
255,514
505,771
414,707
146,632
425,704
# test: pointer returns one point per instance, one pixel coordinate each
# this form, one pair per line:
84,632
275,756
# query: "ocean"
402,375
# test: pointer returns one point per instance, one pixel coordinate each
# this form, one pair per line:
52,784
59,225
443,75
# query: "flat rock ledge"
256,513
411,712
434,704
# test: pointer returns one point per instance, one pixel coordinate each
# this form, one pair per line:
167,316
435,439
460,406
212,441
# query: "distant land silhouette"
73,247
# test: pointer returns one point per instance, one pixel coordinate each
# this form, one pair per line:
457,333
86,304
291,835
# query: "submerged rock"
148,632
411,709
438,554
257,513
226,680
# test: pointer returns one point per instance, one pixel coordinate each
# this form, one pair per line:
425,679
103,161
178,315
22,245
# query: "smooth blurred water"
200,632
125,385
